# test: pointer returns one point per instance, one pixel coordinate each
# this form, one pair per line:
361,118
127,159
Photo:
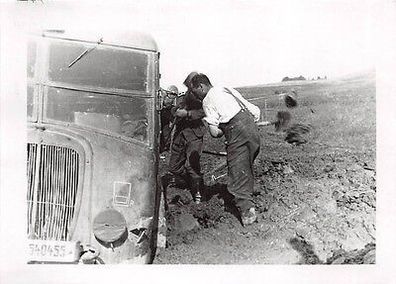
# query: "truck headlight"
109,226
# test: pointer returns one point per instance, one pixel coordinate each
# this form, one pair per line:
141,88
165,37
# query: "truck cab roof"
131,39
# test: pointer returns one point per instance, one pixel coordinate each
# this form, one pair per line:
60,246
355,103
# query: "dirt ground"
315,195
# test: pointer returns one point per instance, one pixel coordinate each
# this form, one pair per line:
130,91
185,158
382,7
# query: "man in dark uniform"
186,148
169,99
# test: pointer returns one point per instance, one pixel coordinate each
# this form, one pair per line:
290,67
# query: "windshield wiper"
85,53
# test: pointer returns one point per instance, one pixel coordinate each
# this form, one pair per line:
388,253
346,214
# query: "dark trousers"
243,145
185,156
164,138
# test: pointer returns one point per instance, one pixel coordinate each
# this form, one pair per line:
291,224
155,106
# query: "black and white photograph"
252,138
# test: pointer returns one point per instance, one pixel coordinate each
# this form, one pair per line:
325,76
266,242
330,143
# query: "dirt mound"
363,256
298,133
357,256
184,217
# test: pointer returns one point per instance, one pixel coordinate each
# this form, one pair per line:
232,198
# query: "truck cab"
93,193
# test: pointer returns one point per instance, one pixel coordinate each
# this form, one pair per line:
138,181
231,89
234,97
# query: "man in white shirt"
228,113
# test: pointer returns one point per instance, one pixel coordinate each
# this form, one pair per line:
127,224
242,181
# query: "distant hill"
299,78
367,75
271,89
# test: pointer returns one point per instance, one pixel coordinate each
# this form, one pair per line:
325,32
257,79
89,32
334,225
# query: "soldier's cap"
172,89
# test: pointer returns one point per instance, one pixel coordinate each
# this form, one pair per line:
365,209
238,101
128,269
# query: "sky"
235,42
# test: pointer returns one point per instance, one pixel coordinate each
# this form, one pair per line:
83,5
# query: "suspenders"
240,103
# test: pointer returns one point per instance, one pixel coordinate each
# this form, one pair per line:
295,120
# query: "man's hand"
181,112
215,131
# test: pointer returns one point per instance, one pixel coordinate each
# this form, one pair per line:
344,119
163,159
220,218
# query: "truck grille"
53,177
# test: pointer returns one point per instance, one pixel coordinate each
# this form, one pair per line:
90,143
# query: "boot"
196,187
166,180
249,217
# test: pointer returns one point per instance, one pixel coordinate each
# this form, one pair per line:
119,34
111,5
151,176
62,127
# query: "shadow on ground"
306,251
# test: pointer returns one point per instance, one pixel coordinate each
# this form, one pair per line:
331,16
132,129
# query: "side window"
31,58
30,102
31,105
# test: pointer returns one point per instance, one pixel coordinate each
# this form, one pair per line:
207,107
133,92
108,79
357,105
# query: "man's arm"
215,131
254,110
180,104
193,106
195,114
189,114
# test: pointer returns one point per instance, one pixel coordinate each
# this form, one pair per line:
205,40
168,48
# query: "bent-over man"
228,113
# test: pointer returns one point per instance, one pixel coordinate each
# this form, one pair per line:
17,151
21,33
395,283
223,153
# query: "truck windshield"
116,114
77,93
103,66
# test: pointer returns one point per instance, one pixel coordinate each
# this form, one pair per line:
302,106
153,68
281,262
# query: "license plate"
53,251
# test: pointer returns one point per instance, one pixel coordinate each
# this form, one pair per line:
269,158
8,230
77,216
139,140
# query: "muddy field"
315,193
